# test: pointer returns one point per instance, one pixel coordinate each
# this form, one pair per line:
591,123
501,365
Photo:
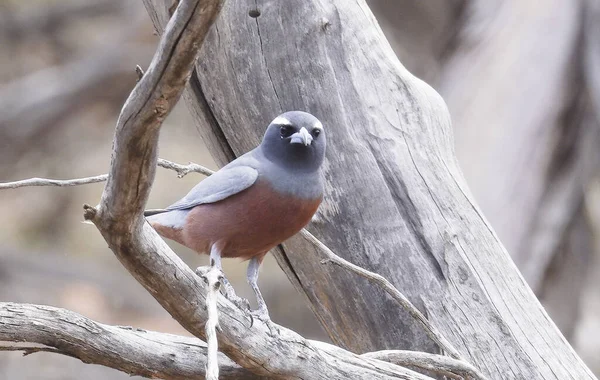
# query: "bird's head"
295,139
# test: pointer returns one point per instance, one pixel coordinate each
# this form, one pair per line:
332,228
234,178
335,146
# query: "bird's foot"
240,302
226,288
262,314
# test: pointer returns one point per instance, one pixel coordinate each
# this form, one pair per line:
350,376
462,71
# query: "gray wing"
226,182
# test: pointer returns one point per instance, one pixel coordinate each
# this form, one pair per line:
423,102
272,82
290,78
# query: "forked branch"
131,350
182,171
119,218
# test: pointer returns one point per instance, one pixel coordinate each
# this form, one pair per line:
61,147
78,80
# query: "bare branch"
431,330
120,220
131,350
181,170
53,182
139,71
439,364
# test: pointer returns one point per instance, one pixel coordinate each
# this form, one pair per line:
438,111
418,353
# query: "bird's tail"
154,211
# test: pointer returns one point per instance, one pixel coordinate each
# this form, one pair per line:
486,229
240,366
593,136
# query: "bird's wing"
226,182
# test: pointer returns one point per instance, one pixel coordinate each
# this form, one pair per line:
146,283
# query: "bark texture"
263,348
131,350
396,201
517,77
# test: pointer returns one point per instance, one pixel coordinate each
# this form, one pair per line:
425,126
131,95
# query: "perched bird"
255,202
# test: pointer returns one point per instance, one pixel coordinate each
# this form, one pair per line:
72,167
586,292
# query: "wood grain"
131,350
396,201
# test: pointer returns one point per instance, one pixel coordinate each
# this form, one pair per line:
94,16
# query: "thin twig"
139,72
431,330
53,182
181,170
132,350
439,364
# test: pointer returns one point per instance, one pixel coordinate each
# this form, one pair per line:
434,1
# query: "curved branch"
182,171
431,330
53,182
131,350
442,365
147,257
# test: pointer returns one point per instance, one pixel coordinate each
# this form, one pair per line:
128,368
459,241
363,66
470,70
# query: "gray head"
295,140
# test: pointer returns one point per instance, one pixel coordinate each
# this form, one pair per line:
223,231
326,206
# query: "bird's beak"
301,137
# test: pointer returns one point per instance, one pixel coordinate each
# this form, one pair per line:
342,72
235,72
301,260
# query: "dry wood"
396,201
533,158
441,365
131,350
182,170
138,247
433,333
394,160
527,197
53,182
211,277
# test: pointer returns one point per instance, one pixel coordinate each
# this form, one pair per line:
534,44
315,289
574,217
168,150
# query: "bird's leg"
229,292
262,312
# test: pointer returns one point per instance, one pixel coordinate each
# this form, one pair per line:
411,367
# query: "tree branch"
439,364
182,171
53,182
120,220
382,282
431,330
131,350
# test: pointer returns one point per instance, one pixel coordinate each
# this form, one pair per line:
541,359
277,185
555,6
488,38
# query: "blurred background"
521,79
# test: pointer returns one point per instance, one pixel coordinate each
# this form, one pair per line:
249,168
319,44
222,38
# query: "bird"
255,202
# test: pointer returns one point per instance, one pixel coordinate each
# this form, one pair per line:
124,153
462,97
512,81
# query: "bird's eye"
316,132
286,131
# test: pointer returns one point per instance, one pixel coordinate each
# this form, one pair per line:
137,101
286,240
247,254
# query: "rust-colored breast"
249,223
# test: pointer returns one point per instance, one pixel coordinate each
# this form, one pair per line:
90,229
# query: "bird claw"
240,302
262,314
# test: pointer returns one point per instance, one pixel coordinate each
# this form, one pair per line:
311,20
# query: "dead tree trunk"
396,202
527,145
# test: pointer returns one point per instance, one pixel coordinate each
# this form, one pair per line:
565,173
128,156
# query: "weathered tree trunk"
396,202
527,144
